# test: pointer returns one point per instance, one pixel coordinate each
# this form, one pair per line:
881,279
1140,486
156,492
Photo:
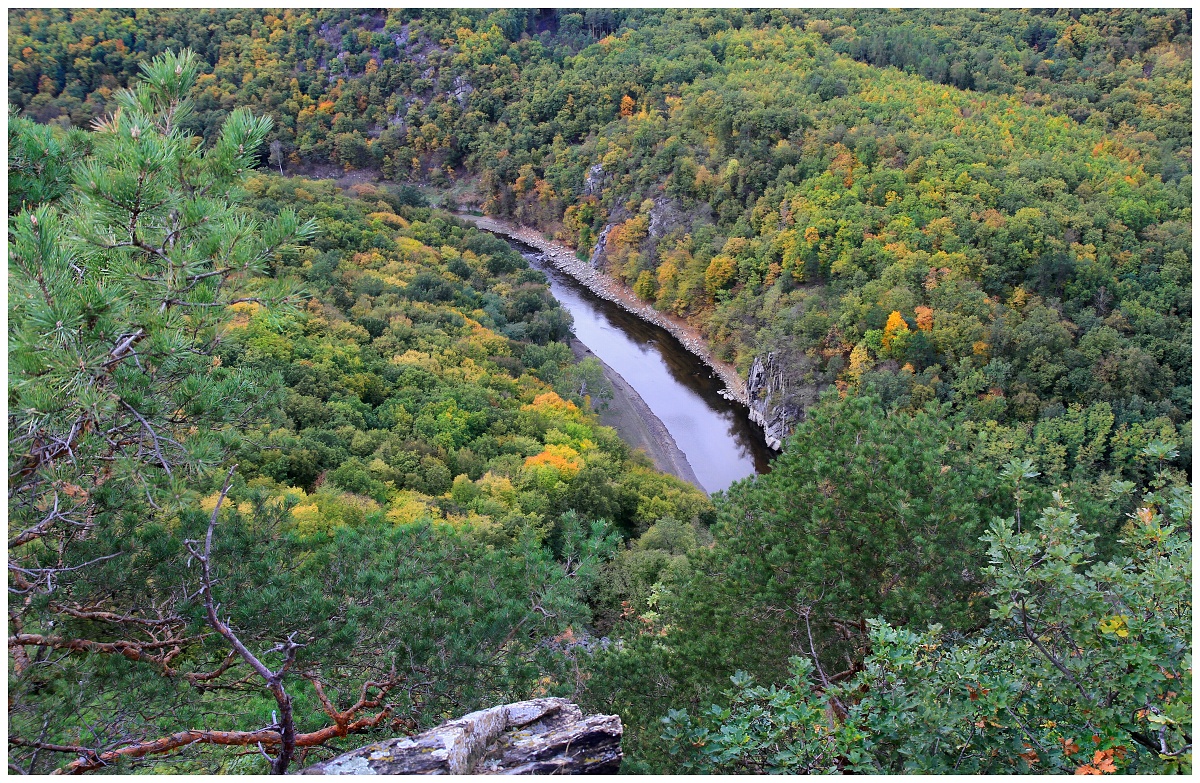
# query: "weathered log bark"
541,736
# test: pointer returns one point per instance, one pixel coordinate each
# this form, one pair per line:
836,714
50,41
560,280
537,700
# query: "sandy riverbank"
637,425
563,258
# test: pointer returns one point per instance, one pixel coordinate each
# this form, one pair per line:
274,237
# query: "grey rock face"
601,246
594,180
665,216
770,406
540,736
462,89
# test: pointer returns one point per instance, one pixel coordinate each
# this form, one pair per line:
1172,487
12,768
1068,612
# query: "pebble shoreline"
563,259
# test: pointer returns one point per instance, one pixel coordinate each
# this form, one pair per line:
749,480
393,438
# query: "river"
714,434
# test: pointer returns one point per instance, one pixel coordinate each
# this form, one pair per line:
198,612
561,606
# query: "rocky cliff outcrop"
667,215
773,406
594,181
537,737
462,90
601,247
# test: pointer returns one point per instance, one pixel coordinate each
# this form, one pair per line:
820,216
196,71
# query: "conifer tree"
119,411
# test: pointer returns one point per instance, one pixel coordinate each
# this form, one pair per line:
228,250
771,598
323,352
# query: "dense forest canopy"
1019,195
293,465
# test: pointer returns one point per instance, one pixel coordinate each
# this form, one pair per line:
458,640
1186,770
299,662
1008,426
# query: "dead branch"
274,679
153,437
342,720
838,709
124,347
44,453
280,738
270,737
50,572
195,679
23,743
93,613
42,528
134,651
21,660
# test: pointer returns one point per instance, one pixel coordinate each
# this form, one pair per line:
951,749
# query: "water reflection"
719,441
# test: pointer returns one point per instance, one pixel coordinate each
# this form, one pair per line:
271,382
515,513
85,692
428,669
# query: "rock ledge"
536,737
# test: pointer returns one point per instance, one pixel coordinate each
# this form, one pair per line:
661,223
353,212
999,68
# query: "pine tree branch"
196,679
124,347
110,617
21,660
24,743
41,528
153,437
44,452
47,574
243,300
343,719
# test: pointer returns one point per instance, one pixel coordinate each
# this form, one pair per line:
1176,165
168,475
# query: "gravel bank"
637,425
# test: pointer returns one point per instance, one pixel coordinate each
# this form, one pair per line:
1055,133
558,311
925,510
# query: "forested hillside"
410,488
1021,202
293,466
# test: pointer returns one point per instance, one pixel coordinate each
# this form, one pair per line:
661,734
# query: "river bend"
715,434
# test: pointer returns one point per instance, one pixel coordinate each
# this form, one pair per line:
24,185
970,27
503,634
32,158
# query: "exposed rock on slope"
601,246
665,216
768,406
537,737
595,180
